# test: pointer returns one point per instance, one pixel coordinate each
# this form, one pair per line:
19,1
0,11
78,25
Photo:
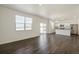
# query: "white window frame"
43,28
26,23
19,22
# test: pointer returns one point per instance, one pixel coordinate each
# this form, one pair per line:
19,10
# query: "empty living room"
39,28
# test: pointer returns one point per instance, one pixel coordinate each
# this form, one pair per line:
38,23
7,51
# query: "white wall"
8,31
51,27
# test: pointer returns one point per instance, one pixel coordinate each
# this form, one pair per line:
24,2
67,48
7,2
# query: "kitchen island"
66,32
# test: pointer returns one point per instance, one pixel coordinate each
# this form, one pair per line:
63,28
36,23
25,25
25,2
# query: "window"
42,28
23,23
19,22
28,23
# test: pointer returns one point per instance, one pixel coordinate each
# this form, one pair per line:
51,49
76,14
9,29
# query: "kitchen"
66,29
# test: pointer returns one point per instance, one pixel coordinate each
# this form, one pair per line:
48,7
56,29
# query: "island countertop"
66,32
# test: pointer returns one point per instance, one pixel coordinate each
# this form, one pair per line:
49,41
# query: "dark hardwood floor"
45,44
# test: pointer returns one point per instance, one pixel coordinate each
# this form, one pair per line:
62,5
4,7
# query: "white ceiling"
47,10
